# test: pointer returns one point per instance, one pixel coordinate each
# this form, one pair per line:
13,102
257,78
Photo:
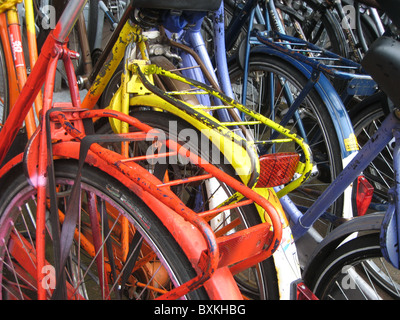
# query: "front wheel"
355,271
95,267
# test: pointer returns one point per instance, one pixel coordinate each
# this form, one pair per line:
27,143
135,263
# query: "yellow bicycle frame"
238,151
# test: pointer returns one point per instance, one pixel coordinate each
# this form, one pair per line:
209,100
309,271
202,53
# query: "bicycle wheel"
94,269
259,282
367,118
355,271
4,107
272,86
305,20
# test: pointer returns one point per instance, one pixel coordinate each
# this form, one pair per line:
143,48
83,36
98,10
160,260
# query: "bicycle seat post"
68,19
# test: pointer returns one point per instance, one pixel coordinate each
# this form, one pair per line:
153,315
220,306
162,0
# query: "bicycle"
360,244
344,27
61,135
308,214
328,96
13,61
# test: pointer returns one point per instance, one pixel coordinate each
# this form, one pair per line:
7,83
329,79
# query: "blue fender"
333,103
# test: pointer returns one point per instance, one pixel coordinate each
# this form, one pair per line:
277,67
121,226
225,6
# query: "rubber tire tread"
15,181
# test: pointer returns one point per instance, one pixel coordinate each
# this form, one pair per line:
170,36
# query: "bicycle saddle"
192,5
382,61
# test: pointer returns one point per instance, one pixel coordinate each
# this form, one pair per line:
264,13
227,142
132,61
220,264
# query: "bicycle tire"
92,23
344,273
102,191
265,285
318,125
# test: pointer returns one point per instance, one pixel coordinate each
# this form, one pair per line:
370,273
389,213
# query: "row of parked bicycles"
222,150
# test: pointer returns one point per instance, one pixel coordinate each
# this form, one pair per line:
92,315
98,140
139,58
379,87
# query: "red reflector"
277,169
364,195
303,293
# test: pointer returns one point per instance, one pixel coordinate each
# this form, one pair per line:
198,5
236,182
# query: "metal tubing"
42,182
369,151
68,19
220,58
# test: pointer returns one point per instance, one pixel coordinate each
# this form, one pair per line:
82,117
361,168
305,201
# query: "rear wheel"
272,86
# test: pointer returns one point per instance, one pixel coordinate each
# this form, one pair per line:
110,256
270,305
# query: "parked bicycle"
358,267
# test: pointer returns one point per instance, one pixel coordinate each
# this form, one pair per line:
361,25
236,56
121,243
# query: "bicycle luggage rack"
238,250
320,60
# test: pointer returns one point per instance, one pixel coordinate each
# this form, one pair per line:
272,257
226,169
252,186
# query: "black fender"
370,223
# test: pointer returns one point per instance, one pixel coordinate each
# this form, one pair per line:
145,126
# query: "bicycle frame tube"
390,235
32,46
68,19
12,77
369,151
18,66
219,48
